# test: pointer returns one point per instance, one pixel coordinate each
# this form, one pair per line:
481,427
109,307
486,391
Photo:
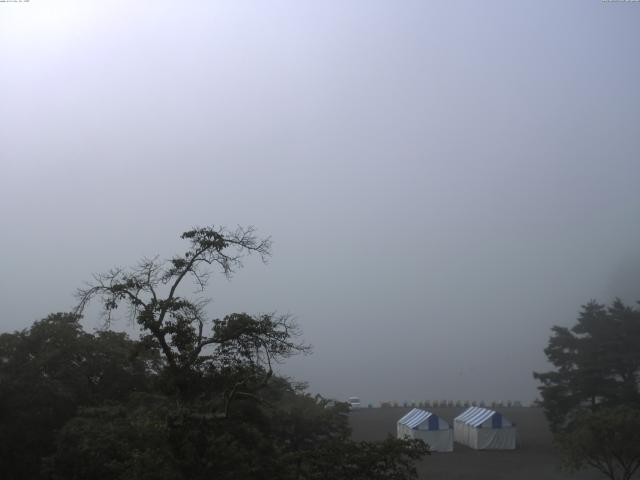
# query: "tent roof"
415,418
475,416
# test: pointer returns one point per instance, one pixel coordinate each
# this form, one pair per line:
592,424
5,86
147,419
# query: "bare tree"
241,349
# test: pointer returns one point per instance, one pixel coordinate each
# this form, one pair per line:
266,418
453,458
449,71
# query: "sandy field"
535,458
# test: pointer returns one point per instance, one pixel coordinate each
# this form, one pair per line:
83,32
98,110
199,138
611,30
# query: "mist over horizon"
443,183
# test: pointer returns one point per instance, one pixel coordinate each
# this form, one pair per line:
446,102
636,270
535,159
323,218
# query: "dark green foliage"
299,439
390,459
47,372
607,440
116,442
597,363
592,398
153,438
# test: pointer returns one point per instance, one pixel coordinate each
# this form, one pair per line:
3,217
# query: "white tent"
484,429
427,427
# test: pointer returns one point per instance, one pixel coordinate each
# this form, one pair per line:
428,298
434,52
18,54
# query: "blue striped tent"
484,429
428,427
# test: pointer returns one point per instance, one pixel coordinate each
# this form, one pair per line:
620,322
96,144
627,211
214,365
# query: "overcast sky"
443,181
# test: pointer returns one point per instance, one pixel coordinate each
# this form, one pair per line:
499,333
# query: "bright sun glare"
37,21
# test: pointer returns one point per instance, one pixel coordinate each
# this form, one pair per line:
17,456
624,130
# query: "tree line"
191,398
592,397
195,398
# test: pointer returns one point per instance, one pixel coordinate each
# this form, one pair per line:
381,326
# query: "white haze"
443,181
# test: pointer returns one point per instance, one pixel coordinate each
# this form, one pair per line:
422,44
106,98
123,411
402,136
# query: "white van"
354,402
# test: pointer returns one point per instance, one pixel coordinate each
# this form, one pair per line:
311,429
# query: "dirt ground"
534,459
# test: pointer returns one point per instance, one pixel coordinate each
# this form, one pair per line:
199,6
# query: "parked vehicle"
354,402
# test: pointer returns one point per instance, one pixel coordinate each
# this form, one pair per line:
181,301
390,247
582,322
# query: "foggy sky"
443,181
